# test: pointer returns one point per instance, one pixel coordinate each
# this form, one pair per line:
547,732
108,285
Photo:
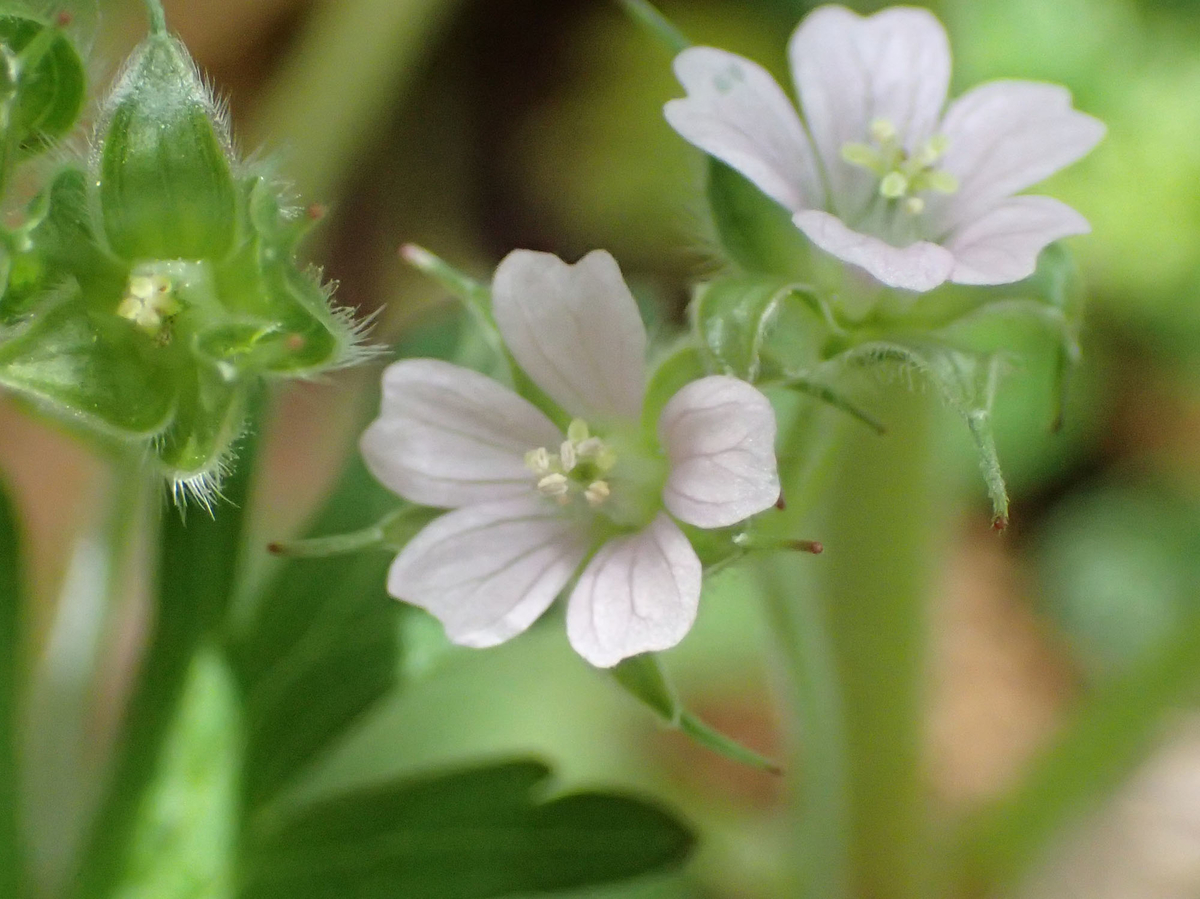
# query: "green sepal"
92,371
966,382
166,190
675,370
754,326
43,82
390,533
644,678
754,231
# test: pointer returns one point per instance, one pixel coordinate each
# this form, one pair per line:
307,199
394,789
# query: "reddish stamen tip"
63,19
808,546
780,503
316,211
294,342
999,523
275,549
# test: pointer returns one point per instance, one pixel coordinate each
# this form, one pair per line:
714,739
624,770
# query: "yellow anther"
893,185
597,492
566,455
883,131
553,485
148,302
538,461
914,205
577,430
941,181
864,157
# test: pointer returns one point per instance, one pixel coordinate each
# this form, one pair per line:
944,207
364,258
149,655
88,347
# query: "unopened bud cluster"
154,285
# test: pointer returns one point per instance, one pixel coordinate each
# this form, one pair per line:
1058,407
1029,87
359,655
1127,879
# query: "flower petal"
575,330
719,435
1003,245
850,70
920,266
447,436
488,571
1006,136
735,111
638,594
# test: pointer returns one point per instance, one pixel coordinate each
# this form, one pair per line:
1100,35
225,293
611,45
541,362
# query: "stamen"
148,303
566,455
894,185
538,461
554,485
596,493
865,157
883,131
577,430
914,205
941,181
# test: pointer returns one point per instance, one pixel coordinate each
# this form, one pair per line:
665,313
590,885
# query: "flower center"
149,303
902,176
578,469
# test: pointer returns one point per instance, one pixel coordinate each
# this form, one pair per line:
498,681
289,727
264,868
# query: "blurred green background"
476,127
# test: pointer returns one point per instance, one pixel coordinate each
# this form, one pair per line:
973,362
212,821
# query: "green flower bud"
147,299
166,190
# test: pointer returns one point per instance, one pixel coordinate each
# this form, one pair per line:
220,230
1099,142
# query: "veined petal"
488,571
737,112
850,71
575,330
1003,245
638,594
1004,137
447,436
719,435
920,266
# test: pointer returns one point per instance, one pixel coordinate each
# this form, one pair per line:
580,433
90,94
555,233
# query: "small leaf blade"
466,835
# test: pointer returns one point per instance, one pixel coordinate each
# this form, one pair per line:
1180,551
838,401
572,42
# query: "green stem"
11,681
822,828
197,568
875,571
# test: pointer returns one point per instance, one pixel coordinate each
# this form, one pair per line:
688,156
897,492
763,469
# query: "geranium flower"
887,182
530,504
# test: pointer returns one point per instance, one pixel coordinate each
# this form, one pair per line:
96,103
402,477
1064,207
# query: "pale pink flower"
876,174
531,504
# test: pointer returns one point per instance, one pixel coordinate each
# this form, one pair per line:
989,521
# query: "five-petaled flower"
529,503
887,182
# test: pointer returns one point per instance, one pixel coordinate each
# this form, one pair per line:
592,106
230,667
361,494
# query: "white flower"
530,504
887,182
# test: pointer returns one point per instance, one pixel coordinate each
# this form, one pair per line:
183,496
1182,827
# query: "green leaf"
755,232
467,835
50,85
183,846
966,382
321,646
198,561
166,191
10,683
